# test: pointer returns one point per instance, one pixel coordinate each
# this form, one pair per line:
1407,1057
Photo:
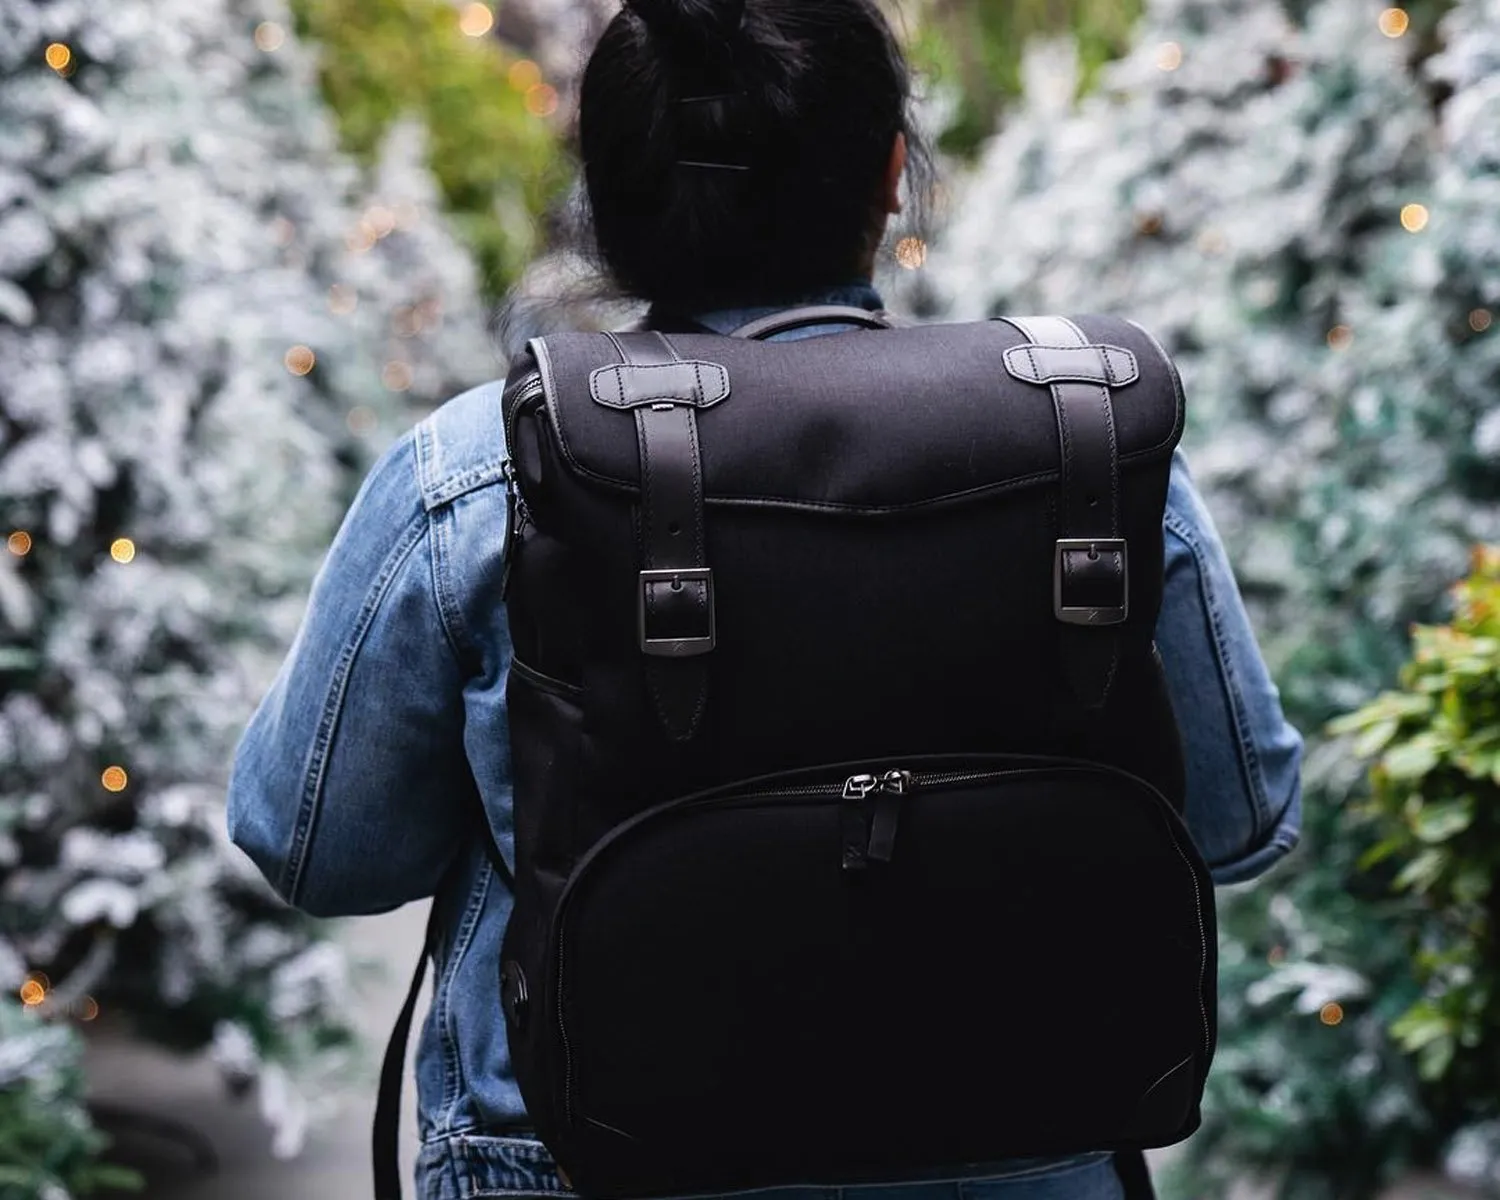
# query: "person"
739,156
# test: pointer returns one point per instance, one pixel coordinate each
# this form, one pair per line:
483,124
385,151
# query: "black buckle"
670,647
1090,614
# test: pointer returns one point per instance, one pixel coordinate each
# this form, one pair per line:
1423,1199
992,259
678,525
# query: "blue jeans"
1090,1177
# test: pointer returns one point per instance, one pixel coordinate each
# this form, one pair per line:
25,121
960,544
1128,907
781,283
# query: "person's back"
739,158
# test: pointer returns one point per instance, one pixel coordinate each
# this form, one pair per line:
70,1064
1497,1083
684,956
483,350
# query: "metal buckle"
1086,614
677,647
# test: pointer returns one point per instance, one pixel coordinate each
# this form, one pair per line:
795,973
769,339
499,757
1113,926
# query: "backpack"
847,790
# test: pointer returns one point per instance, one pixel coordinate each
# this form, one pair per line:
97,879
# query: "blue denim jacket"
359,783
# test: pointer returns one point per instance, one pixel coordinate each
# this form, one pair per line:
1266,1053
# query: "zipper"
889,787
518,515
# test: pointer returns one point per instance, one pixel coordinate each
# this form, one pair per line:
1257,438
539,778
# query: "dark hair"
734,150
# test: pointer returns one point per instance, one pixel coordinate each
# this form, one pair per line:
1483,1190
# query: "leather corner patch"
701,384
1111,365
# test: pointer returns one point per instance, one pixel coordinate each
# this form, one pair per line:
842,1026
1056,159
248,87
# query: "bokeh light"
300,360
19,543
1169,56
114,779
269,37
476,20
1394,22
1414,218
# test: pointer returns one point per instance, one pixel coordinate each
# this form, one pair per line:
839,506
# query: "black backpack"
848,793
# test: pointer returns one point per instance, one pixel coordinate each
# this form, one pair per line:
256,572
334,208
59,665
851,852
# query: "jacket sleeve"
1243,759
350,788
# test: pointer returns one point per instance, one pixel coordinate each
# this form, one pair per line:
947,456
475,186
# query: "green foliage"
49,1150
979,46
496,163
1435,806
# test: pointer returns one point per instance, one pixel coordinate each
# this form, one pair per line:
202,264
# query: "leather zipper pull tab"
893,790
854,833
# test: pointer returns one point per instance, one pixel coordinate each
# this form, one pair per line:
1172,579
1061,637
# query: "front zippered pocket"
639,930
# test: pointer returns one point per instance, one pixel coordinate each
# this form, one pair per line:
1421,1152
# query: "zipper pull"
854,833
894,786
516,518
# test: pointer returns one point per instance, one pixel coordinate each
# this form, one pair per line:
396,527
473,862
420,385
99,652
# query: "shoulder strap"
823,314
1091,583
386,1133
386,1136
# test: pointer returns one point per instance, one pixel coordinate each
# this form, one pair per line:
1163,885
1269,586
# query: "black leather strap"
386,1135
823,314
675,595
1091,561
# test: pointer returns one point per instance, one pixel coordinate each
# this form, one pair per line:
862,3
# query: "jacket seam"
316,773
450,615
1249,760
453,1084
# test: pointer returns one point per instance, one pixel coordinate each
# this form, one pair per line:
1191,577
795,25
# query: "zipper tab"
894,786
517,518
854,833
857,787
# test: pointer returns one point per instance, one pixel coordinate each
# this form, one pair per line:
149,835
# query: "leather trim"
701,384
1112,365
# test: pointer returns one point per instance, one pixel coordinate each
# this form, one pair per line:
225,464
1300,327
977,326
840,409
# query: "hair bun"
691,25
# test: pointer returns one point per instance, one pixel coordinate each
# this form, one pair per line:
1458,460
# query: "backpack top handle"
823,314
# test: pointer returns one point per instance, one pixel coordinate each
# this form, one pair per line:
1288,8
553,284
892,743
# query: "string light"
911,253
269,37
88,1009
396,376
381,221
1481,319
1394,22
114,779
541,100
33,992
1340,337
1331,1013
300,360
476,20
524,75
1149,224
59,57
342,299
1169,56
19,543
1414,218
122,550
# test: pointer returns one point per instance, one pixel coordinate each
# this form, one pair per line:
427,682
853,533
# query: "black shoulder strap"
1091,586
675,592
823,314
386,1132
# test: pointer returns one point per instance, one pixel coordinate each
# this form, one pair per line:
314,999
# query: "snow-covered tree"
208,322
1303,202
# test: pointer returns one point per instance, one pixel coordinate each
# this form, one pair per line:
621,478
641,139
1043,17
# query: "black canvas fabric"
892,880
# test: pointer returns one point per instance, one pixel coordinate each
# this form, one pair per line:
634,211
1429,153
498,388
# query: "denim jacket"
359,784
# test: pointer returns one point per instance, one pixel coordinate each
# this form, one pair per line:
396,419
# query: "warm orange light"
122,550
1394,22
541,100
88,1009
19,543
1169,56
1340,337
396,376
32,993
59,57
1331,1014
114,779
361,420
1414,218
300,360
476,20
1481,319
525,75
911,253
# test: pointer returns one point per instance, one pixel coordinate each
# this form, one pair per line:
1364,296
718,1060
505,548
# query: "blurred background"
245,243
